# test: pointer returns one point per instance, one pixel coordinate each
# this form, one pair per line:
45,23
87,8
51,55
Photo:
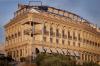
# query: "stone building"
2,50
35,29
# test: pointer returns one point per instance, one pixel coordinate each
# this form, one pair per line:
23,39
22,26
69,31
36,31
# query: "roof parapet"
24,8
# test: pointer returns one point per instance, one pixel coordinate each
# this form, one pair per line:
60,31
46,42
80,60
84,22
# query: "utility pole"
33,30
42,35
33,3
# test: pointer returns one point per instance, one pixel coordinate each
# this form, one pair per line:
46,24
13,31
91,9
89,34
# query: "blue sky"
88,9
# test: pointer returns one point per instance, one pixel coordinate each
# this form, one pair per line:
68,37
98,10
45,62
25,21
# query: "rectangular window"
21,52
69,35
63,33
17,53
78,44
51,40
84,40
57,41
19,34
45,30
79,37
51,31
14,54
82,56
73,43
57,32
26,32
63,41
69,43
74,37
44,39
6,38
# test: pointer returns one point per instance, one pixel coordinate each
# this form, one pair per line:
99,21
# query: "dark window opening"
44,38
63,42
69,35
37,50
51,31
69,43
57,41
51,40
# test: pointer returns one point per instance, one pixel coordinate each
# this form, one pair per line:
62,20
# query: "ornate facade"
36,29
2,50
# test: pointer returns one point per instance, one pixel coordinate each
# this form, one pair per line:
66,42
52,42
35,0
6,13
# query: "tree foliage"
53,60
44,59
6,61
90,64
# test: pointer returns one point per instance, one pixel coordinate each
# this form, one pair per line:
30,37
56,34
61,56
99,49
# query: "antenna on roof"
35,3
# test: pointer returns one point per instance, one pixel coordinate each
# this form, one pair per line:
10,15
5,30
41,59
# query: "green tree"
90,64
45,59
54,59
